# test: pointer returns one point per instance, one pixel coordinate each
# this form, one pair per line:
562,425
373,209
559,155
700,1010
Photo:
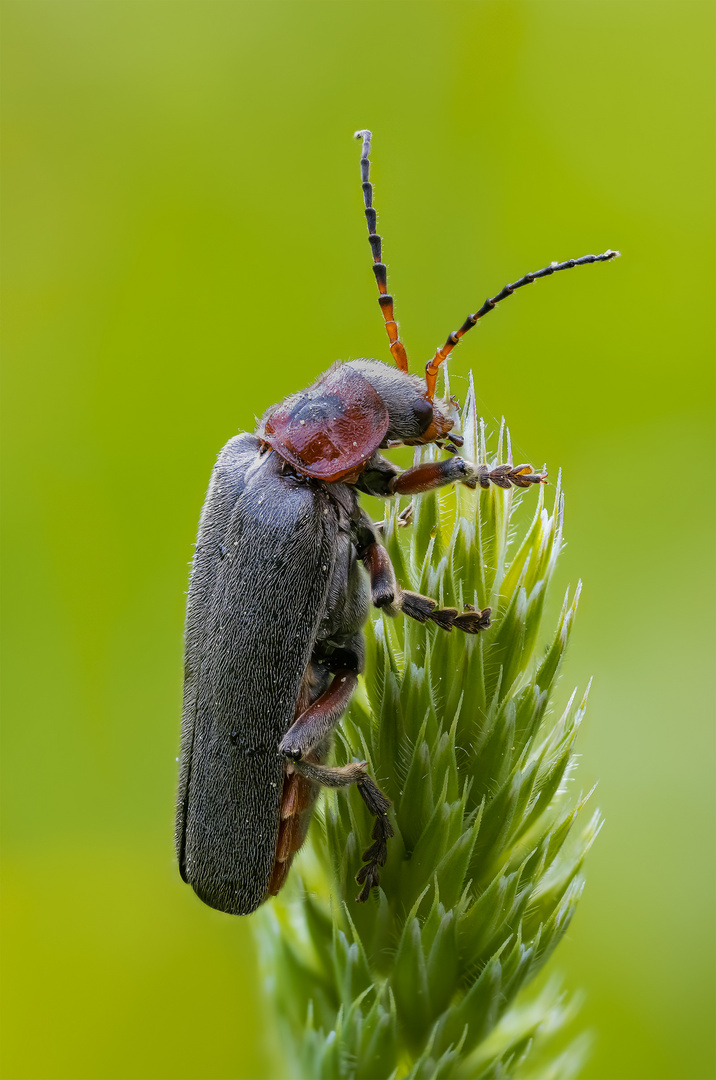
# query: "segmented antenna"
431,370
384,299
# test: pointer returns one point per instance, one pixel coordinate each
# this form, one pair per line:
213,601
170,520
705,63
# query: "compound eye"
423,410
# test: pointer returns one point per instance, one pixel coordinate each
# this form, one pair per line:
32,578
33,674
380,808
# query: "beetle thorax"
331,430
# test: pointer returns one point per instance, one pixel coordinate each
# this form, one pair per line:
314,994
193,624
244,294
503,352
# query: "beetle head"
412,418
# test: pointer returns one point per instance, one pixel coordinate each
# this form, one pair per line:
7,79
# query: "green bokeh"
183,245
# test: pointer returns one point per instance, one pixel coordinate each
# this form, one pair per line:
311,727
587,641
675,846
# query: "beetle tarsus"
377,852
471,622
404,518
371,879
375,856
377,802
505,476
417,607
422,608
444,618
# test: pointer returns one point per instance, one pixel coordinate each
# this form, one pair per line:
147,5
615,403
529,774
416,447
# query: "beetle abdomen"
263,563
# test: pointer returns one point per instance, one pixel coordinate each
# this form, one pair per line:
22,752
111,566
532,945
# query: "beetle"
285,568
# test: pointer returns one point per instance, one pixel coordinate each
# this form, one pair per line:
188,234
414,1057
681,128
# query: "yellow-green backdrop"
184,244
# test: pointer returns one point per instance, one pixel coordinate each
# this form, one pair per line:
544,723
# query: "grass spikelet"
425,980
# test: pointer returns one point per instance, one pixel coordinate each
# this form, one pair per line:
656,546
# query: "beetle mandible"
279,594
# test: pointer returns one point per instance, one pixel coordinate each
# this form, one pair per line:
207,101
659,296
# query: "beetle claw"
369,876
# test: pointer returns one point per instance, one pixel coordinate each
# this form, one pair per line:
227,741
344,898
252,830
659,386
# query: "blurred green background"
184,244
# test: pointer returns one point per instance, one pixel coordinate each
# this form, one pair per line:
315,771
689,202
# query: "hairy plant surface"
484,871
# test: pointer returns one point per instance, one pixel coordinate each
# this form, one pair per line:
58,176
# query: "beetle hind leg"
320,718
377,803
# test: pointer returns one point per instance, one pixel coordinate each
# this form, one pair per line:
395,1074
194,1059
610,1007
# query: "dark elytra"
285,569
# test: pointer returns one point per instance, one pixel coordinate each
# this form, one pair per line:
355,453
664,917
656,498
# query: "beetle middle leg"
386,594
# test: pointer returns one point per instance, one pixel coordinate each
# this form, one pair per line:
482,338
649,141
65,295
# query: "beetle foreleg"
435,474
383,478
431,474
320,718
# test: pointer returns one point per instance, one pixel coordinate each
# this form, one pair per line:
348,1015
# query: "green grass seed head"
485,868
